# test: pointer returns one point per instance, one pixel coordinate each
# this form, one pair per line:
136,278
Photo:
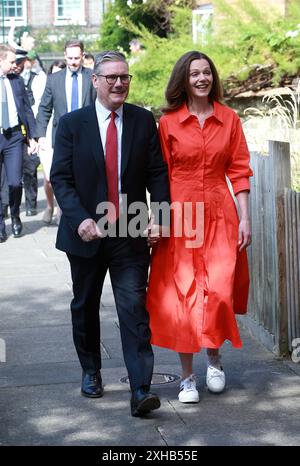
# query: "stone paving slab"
53,414
40,401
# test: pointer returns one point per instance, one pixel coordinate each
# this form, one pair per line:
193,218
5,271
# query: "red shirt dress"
194,292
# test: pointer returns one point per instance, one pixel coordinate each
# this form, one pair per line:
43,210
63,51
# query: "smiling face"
200,79
111,96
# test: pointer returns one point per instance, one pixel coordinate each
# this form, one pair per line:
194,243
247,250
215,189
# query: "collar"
184,113
104,113
79,71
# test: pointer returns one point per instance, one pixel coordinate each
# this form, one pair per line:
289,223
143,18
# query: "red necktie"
111,166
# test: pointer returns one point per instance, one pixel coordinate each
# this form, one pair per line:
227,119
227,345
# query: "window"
13,9
202,23
70,12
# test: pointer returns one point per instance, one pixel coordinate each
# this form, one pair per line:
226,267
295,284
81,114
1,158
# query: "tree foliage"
52,40
155,15
249,38
242,38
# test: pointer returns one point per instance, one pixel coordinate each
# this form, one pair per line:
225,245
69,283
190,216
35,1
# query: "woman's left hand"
244,234
154,233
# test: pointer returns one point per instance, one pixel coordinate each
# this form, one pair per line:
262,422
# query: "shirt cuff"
241,185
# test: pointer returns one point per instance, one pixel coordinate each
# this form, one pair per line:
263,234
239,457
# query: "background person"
34,85
4,194
46,158
136,50
17,124
65,91
88,60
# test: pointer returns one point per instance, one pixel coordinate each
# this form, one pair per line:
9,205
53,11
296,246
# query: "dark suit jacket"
54,98
25,113
28,87
78,170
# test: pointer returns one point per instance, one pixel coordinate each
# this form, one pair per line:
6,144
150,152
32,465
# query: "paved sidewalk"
40,403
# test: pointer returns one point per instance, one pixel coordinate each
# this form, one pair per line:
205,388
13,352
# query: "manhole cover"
157,379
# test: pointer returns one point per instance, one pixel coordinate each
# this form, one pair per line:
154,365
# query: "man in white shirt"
17,125
65,91
34,85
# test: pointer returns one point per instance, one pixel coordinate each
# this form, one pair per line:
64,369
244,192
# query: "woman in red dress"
199,275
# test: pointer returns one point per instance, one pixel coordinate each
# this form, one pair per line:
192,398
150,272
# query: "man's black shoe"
3,236
16,226
142,402
92,385
31,212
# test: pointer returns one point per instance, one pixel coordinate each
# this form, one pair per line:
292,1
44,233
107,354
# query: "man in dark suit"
30,161
103,152
16,123
65,91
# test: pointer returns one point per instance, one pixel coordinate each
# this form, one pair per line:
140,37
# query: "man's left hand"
154,232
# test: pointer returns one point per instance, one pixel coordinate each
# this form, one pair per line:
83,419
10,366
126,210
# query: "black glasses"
112,78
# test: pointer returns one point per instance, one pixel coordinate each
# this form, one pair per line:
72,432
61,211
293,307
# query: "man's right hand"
88,230
42,143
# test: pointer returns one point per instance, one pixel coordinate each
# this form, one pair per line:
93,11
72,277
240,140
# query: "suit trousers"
128,268
30,180
11,156
4,189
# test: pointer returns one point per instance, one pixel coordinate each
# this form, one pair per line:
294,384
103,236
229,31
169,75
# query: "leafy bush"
260,38
51,40
155,15
153,68
279,121
242,38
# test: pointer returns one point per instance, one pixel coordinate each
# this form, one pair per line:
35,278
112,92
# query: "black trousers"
4,189
11,156
30,180
128,270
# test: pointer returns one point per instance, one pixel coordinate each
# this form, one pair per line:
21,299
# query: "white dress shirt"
38,85
12,109
103,116
69,82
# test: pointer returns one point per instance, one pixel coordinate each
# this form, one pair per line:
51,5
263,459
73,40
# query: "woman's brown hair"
176,92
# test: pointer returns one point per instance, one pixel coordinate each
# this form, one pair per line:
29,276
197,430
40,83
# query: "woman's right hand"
244,234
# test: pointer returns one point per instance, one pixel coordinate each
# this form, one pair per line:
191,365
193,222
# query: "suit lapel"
93,136
127,136
86,78
13,85
61,86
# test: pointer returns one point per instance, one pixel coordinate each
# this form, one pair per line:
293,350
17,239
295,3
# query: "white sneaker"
48,214
188,392
215,379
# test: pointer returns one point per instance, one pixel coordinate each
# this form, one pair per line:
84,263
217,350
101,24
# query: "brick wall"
94,9
40,13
